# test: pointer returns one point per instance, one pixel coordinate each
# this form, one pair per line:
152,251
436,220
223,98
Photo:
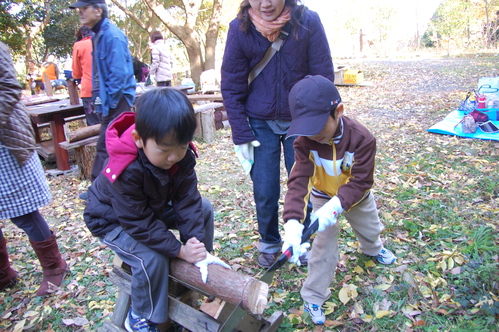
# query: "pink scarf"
270,30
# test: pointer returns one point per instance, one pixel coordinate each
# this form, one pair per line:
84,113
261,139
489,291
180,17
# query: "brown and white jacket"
344,167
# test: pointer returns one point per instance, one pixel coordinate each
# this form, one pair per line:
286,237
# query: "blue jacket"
266,97
115,68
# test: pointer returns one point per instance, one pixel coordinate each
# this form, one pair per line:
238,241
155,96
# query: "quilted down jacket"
16,131
266,97
162,62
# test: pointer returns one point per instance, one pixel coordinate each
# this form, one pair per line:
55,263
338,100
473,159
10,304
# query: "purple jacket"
267,96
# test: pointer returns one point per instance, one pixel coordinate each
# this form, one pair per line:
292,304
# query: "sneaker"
385,256
316,312
139,324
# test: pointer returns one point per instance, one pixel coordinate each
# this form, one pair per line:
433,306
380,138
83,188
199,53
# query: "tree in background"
23,21
196,23
60,34
465,24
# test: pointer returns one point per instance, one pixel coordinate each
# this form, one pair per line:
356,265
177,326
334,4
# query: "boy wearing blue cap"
334,167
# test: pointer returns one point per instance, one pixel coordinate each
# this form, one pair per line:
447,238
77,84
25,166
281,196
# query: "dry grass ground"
437,196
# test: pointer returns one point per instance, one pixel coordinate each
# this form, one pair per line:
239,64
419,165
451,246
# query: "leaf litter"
433,193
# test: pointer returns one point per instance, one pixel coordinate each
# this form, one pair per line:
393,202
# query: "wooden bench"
182,309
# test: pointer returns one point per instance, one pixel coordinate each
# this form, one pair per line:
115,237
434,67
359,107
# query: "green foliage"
10,35
59,34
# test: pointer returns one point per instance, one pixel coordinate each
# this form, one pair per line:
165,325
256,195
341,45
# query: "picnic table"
54,113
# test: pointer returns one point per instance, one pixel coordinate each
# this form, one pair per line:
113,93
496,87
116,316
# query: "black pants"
164,83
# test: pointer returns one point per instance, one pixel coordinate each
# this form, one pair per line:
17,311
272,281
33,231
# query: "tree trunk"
85,156
225,284
212,35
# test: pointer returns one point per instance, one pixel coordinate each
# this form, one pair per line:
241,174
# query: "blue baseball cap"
311,100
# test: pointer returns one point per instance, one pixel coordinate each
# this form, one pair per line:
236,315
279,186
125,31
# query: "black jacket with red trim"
138,196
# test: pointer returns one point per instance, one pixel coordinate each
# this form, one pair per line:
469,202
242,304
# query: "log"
84,132
225,284
85,156
207,125
205,121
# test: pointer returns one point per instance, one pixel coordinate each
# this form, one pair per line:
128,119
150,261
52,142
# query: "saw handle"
311,229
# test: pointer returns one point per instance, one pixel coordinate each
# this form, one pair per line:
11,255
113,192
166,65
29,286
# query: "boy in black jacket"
148,187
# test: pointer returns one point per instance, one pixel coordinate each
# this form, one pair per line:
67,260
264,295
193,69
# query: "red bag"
479,116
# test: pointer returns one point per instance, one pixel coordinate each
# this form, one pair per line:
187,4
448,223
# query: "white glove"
293,230
203,265
247,149
328,213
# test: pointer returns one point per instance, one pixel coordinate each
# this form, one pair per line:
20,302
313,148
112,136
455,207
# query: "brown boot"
8,277
54,267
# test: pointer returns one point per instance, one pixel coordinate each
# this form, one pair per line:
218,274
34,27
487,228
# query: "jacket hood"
120,145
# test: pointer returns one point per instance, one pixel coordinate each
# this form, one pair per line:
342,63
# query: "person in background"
50,68
113,83
23,186
258,111
140,70
34,78
82,69
148,189
162,60
334,167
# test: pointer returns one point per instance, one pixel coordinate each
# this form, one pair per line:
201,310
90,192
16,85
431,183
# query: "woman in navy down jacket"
258,111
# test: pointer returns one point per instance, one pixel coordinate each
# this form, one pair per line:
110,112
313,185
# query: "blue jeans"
58,82
266,177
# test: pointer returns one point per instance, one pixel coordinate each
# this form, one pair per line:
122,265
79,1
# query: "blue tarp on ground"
448,127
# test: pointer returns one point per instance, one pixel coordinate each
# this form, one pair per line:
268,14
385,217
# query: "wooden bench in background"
210,117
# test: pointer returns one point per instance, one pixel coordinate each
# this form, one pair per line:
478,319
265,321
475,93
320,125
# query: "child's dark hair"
156,35
165,111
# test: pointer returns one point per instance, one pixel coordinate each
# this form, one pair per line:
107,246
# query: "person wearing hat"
334,168
113,82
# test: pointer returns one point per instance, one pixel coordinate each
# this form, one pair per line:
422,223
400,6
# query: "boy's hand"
210,259
328,213
293,230
193,251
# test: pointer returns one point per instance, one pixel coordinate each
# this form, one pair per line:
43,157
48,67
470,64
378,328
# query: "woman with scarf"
257,108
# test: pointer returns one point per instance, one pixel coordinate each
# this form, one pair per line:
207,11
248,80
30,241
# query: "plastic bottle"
482,101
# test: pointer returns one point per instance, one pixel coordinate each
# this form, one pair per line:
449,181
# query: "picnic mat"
447,127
